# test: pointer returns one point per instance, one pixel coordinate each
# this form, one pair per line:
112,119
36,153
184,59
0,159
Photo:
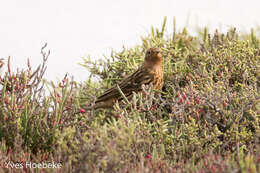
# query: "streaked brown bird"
151,71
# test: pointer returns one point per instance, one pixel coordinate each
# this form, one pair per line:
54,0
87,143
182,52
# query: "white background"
77,28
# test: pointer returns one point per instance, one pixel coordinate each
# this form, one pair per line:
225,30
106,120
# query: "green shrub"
206,118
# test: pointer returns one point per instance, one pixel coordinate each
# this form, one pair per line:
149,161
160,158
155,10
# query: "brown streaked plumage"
151,71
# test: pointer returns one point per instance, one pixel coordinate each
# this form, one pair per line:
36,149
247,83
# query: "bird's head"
153,55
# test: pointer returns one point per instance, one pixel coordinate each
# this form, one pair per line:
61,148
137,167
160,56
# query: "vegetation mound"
206,118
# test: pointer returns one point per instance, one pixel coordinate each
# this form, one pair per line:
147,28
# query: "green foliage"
206,118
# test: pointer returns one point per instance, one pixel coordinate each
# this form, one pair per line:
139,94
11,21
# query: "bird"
150,72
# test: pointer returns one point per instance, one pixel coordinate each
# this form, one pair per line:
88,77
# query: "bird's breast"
158,78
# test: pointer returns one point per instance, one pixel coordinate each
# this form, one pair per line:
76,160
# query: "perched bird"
151,71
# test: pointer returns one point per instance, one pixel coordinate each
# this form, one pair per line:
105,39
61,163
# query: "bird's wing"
128,85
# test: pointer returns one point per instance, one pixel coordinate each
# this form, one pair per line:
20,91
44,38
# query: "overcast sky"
78,28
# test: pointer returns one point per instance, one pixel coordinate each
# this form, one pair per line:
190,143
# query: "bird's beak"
158,50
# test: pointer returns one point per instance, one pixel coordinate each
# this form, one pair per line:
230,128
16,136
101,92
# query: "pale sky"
78,28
